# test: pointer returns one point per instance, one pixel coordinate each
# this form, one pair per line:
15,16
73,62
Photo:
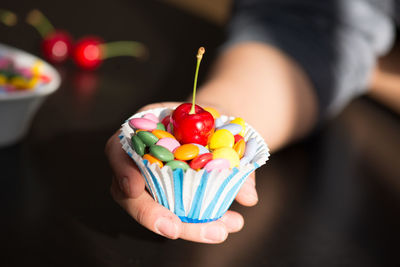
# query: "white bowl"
18,108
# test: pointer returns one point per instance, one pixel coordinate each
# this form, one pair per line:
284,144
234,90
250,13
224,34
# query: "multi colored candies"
161,153
221,138
226,148
142,123
186,152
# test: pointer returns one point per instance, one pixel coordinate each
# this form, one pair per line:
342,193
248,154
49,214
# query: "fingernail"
124,185
251,181
166,227
214,233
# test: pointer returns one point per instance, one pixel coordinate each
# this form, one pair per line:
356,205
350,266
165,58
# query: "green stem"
7,17
199,57
123,48
40,22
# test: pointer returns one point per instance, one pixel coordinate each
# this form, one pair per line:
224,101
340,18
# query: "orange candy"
240,147
162,134
186,152
152,160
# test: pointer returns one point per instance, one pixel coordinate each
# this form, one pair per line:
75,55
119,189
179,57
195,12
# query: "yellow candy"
186,152
213,112
241,122
227,153
140,130
221,138
162,134
3,80
240,147
152,160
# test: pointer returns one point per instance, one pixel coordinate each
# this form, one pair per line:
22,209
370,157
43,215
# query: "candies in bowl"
25,82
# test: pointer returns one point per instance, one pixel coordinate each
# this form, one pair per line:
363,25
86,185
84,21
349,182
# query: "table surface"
330,200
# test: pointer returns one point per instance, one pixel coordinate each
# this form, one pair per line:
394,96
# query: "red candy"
192,128
238,138
166,121
200,161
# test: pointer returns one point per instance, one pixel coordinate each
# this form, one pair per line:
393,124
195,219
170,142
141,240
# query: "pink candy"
169,143
217,164
143,124
152,117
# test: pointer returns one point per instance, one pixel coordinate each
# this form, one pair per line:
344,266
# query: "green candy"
138,145
161,153
160,126
147,138
177,164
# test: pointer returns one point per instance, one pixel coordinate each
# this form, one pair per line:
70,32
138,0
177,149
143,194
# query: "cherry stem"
7,17
199,56
123,48
40,22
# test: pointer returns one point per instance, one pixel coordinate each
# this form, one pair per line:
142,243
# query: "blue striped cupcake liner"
194,196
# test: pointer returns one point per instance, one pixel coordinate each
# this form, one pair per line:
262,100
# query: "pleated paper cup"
194,196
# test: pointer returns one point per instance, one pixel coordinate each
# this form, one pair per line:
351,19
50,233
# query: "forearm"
266,88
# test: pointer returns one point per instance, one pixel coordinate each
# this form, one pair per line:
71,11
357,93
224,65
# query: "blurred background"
333,199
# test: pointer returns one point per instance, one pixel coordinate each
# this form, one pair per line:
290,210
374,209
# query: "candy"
141,123
249,153
138,145
151,116
213,112
177,164
221,138
238,138
218,122
200,161
186,152
242,123
153,160
232,127
147,138
160,126
162,134
217,164
168,143
240,147
166,120
227,153
202,149
161,153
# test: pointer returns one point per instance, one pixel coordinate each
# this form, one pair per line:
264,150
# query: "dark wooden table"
331,200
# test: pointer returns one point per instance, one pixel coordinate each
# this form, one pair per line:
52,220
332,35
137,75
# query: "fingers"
160,220
247,195
149,213
125,171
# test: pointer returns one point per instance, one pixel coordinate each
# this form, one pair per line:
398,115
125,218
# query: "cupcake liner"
194,196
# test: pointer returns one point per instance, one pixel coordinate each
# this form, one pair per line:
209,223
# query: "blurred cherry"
91,51
57,44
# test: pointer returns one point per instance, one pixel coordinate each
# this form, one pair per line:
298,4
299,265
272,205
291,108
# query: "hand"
128,190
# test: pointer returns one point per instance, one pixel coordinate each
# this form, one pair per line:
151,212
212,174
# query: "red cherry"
88,53
57,46
192,128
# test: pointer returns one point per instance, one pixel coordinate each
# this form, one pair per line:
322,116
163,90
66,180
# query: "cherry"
90,51
57,44
192,128
191,123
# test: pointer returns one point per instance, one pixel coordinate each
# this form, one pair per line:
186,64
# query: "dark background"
330,200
